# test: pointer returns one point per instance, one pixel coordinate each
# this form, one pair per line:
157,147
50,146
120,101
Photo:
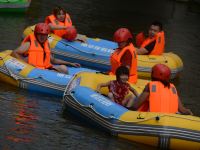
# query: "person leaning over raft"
125,54
160,95
61,25
35,48
119,88
154,44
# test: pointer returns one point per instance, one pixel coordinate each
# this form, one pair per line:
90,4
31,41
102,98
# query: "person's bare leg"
130,101
110,95
61,68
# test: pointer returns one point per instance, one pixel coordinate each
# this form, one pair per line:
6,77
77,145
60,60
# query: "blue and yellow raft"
165,131
95,53
26,76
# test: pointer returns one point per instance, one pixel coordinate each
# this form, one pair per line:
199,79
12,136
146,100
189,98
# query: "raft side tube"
102,105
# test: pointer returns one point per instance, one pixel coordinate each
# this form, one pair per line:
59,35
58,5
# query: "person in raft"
125,54
119,88
160,95
61,25
154,44
36,51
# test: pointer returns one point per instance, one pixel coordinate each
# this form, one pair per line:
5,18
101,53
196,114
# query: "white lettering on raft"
101,99
63,75
103,49
15,64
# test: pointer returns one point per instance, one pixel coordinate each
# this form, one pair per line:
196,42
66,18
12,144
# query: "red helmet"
122,35
42,28
71,33
161,72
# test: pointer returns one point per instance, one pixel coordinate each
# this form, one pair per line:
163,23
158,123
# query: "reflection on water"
24,119
34,121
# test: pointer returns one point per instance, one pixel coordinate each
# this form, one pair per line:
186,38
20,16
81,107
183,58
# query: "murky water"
34,121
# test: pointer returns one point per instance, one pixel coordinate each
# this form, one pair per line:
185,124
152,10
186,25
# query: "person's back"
162,98
160,95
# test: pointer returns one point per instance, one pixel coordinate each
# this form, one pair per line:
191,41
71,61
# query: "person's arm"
18,53
56,27
99,86
147,49
62,62
81,38
182,109
142,98
142,51
133,91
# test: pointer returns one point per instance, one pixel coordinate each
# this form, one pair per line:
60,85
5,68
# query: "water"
34,121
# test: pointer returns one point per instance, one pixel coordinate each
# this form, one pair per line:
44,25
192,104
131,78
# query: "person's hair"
157,23
130,41
121,71
57,10
164,82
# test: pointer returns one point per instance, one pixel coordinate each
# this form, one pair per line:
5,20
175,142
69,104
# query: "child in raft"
119,88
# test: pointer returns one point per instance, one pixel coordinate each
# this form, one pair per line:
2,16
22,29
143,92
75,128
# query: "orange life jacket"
37,55
159,45
161,99
125,56
52,19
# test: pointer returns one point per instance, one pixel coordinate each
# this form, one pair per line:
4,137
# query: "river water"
34,121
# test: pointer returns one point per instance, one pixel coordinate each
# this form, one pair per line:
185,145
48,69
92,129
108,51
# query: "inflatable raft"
165,131
95,54
14,5
25,76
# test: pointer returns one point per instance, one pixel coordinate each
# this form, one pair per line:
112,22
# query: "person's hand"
75,65
136,94
98,90
189,112
81,38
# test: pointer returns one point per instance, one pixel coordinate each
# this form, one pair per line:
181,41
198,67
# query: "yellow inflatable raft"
165,131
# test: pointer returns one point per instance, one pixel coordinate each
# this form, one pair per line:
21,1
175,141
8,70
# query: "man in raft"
154,44
35,50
